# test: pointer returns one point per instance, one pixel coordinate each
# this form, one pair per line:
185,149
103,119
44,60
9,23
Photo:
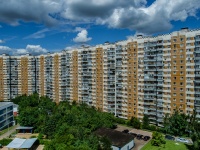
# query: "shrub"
5,142
157,139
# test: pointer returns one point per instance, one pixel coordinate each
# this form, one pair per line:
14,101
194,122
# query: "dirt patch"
40,147
26,135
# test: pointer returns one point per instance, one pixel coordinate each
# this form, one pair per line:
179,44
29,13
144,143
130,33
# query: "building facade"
142,75
6,114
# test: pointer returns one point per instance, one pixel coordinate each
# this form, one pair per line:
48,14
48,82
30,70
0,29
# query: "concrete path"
40,147
5,135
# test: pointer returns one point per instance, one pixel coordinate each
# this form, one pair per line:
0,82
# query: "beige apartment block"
141,75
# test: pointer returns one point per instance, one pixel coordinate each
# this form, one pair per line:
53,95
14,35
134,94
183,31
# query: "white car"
183,140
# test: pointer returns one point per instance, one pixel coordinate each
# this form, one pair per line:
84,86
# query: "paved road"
5,135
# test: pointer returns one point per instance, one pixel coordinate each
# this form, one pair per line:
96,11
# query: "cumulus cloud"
130,14
82,37
30,49
5,50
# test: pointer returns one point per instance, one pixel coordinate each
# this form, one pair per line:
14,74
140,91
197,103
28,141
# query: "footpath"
6,135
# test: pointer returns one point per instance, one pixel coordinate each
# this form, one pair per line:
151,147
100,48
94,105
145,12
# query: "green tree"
135,122
145,122
64,125
157,139
176,124
28,116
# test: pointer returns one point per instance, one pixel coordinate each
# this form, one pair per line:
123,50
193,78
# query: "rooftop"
26,128
21,143
117,138
5,103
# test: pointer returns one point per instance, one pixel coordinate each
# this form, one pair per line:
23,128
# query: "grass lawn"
170,145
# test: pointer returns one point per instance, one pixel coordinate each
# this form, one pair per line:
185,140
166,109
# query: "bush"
152,128
5,142
134,122
120,120
33,136
157,139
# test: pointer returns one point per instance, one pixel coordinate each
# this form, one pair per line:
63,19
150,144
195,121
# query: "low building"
6,114
119,140
25,144
24,129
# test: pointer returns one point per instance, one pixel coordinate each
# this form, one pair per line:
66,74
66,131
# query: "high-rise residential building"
142,75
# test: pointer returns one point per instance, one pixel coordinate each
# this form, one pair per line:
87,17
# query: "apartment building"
142,75
6,114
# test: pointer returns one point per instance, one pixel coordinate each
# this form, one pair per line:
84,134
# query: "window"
181,83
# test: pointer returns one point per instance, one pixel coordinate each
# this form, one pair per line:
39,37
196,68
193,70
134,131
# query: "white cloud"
35,49
82,37
70,47
5,50
38,34
2,41
78,29
130,14
30,49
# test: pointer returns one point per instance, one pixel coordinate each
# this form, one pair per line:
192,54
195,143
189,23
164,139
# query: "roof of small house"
117,138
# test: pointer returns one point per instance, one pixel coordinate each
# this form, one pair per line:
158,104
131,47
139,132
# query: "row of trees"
66,126
180,124
177,124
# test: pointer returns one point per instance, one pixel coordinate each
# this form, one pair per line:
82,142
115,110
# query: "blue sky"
41,26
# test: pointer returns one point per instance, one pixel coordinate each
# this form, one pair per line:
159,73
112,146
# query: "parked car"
139,136
146,138
183,140
169,137
125,131
133,134
1,146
